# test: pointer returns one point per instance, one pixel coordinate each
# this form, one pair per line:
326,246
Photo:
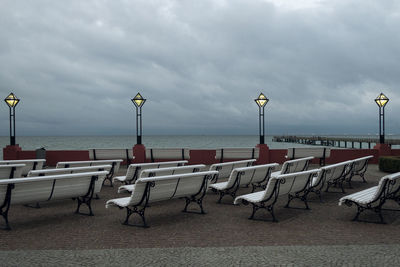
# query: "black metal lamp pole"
138,100
381,100
12,101
261,101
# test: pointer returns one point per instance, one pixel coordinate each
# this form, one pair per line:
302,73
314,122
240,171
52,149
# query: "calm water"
160,141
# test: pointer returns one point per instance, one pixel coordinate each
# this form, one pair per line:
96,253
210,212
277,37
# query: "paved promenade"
324,235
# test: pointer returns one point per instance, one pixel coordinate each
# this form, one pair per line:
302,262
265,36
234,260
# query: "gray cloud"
200,64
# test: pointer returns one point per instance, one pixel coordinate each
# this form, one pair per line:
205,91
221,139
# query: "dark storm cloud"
200,64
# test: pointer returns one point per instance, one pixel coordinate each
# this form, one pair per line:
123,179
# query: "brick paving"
44,233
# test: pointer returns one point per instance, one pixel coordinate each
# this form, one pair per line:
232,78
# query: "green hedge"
389,164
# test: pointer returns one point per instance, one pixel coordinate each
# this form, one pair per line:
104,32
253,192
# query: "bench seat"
375,197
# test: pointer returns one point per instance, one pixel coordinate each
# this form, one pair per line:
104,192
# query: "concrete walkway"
351,255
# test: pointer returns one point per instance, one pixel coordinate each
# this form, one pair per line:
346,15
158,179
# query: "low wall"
203,156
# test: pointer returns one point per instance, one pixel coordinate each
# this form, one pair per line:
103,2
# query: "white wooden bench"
105,153
375,197
317,152
81,186
115,164
236,153
190,186
157,154
134,170
294,165
257,176
225,169
11,171
359,167
293,184
329,175
162,172
30,164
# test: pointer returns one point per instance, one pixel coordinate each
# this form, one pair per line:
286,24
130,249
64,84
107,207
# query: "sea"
153,141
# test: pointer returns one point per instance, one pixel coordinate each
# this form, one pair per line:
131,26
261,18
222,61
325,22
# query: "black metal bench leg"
379,211
362,176
87,201
221,195
5,216
304,199
255,208
271,210
290,198
200,203
359,210
140,212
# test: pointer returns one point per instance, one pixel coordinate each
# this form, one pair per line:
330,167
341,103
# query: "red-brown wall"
205,156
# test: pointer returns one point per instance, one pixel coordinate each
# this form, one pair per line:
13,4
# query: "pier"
335,141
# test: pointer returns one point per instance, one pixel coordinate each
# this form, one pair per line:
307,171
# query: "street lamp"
12,101
381,100
138,100
261,101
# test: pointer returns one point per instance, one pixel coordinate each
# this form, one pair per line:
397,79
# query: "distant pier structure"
334,141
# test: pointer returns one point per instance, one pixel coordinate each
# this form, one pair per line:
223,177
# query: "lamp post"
12,102
261,101
138,100
381,100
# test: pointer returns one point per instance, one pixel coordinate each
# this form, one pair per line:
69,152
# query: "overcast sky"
75,65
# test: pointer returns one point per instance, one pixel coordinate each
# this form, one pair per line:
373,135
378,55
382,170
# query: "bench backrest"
38,189
236,153
300,152
172,170
11,171
155,154
296,165
249,175
226,168
30,164
60,171
360,164
105,153
332,173
152,189
288,183
67,164
134,170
